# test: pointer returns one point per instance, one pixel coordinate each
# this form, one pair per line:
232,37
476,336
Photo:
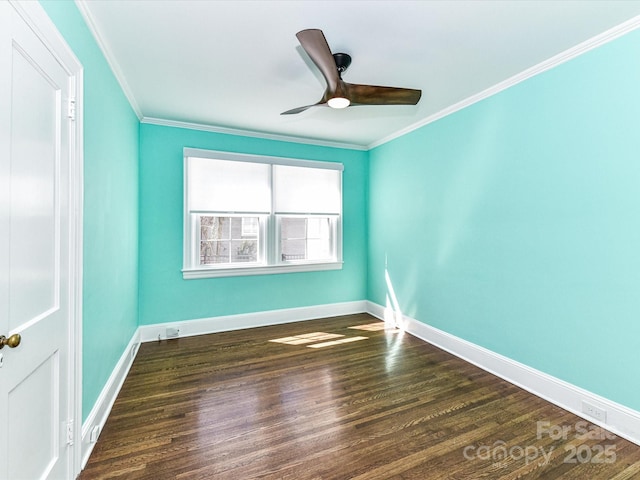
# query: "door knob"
13,341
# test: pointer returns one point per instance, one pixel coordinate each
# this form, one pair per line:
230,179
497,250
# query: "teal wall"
515,223
166,297
110,269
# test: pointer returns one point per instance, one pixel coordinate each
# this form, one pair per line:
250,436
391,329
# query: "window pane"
305,238
212,252
249,227
293,227
318,238
214,228
318,228
293,250
225,240
236,227
318,249
244,251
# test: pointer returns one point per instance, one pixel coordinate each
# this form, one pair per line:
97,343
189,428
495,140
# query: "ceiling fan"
340,94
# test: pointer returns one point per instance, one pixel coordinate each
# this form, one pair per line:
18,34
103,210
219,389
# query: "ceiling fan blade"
374,95
302,109
316,46
296,110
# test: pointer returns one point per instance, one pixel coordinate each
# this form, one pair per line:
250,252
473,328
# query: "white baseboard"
203,326
98,415
620,420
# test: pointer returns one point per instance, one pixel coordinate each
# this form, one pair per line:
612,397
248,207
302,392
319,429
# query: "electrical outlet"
172,332
595,412
95,433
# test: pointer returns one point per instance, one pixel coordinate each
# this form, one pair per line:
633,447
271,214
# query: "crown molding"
108,55
573,52
251,133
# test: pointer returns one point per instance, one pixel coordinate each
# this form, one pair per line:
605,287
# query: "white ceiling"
238,65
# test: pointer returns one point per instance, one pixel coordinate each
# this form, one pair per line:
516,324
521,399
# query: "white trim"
251,133
203,326
100,412
36,17
195,273
621,420
109,57
541,67
76,269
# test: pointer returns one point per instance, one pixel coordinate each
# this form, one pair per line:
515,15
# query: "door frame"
37,19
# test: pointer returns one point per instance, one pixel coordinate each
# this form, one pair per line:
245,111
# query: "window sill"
195,273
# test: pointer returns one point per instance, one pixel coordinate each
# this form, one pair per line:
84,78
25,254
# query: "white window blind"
227,186
305,190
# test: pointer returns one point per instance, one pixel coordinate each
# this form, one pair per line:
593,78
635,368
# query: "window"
249,214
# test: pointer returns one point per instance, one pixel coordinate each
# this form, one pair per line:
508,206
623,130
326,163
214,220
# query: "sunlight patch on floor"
337,342
306,338
370,327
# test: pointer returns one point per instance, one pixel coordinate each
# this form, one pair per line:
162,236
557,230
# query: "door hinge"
72,109
70,432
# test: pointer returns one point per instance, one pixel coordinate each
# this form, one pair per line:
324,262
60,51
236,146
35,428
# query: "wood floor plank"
236,405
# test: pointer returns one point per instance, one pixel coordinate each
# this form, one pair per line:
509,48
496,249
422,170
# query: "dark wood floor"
238,406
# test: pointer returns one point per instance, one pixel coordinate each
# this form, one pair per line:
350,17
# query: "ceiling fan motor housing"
343,61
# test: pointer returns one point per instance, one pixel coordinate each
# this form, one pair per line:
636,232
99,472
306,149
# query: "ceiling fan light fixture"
339,102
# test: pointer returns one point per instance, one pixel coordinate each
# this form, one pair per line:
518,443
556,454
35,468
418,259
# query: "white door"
36,298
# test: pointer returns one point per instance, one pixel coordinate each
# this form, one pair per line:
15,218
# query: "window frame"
268,224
